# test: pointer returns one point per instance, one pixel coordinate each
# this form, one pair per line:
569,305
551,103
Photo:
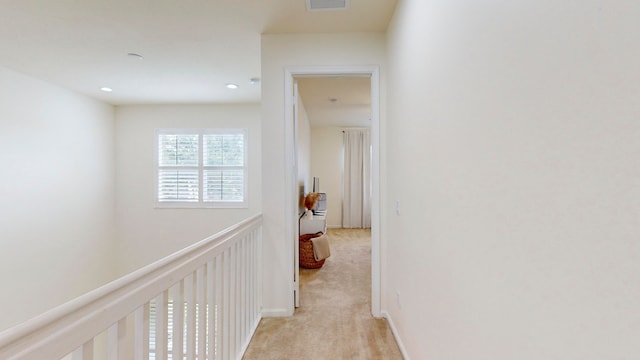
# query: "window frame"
201,168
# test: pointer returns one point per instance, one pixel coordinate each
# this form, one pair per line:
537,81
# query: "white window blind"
201,168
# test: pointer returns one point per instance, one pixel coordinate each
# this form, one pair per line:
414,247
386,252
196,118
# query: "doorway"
372,75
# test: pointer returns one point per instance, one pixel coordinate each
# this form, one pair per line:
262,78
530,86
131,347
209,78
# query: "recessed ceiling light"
232,86
106,89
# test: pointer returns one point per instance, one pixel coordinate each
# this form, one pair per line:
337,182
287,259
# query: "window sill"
183,205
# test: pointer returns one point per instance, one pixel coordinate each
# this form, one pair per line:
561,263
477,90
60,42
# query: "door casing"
291,203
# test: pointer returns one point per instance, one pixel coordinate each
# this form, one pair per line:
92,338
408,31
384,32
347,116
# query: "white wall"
279,52
56,195
146,234
513,150
327,163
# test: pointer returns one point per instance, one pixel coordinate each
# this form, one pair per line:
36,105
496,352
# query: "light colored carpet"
334,320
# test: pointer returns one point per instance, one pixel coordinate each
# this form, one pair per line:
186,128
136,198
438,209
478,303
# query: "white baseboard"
263,314
276,313
403,350
248,340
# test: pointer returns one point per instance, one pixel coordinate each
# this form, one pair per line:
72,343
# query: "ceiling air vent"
323,5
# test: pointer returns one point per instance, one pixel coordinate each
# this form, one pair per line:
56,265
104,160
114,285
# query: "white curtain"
356,206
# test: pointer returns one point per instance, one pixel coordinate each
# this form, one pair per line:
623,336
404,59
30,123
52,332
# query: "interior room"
329,107
334,159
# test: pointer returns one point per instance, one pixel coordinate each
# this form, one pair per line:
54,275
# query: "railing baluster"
232,300
141,333
247,287
239,324
202,314
226,290
258,273
112,342
84,352
211,309
240,301
251,282
116,340
178,321
162,309
190,318
219,306
243,287
123,339
254,276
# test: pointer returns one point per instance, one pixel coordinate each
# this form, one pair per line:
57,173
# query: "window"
201,168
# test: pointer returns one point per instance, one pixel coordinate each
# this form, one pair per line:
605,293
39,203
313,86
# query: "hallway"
334,320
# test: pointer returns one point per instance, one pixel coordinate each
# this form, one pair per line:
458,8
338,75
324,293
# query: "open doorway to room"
335,124
334,146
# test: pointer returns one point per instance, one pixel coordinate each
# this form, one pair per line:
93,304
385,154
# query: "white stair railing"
202,302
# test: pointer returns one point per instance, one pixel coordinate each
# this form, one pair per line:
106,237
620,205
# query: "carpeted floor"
334,320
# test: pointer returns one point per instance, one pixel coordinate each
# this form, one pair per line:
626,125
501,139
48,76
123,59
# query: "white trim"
375,200
291,202
295,172
394,330
252,331
269,313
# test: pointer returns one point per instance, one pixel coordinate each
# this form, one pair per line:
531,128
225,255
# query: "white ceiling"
191,48
336,101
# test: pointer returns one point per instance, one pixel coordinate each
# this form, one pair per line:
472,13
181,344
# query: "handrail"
63,329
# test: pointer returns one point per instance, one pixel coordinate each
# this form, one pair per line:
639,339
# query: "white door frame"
296,244
292,204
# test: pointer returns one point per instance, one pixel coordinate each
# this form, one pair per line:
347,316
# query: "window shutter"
178,150
201,168
223,149
224,156
178,185
178,179
224,185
